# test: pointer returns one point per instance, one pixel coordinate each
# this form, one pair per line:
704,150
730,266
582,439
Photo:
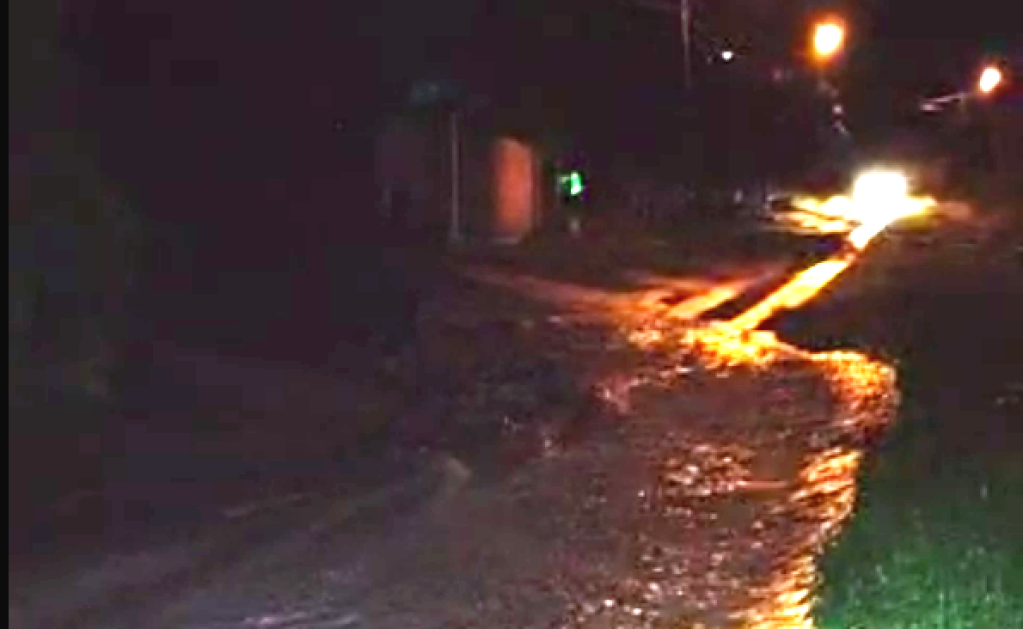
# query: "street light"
828,38
990,79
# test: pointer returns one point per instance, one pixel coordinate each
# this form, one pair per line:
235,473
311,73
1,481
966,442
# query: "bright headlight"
881,197
880,187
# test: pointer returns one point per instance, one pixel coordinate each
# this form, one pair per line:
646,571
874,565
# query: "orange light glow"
879,198
813,216
837,206
885,216
990,79
798,291
723,346
819,485
828,38
760,477
708,300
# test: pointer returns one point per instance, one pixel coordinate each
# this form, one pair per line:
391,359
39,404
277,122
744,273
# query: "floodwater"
753,448
752,473
732,462
726,462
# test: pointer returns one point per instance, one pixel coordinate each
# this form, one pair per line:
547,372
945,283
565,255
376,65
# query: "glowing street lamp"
989,80
828,38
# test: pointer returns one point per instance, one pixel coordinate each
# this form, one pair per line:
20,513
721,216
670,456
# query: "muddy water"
703,500
750,450
732,463
726,462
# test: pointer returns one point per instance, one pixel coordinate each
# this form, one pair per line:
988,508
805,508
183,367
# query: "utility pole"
687,43
455,226
685,11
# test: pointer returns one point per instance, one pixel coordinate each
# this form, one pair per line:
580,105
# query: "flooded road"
752,449
697,491
741,480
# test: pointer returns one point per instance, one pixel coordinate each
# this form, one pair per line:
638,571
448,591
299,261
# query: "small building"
453,175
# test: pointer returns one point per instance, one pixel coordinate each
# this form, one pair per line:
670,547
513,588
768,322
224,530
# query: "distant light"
880,198
575,184
827,39
990,78
780,75
727,55
879,187
572,183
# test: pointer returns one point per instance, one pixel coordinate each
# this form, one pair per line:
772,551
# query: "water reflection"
795,293
752,448
734,461
740,503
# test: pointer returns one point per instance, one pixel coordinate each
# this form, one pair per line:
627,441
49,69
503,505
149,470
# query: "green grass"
937,539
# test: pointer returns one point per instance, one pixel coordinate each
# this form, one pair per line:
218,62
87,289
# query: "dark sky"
226,104
237,101
334,57
938,42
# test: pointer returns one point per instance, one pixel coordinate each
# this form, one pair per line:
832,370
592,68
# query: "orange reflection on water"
723,345
759,473
755,494
884,215
871,214
695,306
878,199
795,293
811,215
755,447
825,493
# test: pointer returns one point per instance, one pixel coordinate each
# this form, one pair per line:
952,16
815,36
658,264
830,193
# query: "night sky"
262,104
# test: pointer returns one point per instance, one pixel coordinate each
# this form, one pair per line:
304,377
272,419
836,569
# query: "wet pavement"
690,480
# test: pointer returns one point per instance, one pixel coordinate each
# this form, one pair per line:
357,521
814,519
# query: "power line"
687,42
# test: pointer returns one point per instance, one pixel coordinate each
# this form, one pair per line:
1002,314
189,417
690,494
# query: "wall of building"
413,170
515,191
499,189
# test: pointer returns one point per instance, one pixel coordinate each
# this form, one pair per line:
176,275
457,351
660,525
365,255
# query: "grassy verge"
935,541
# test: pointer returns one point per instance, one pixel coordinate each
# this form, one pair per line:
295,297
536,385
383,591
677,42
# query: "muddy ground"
549,454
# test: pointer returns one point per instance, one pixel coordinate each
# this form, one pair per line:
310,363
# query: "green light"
572,183
575,186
